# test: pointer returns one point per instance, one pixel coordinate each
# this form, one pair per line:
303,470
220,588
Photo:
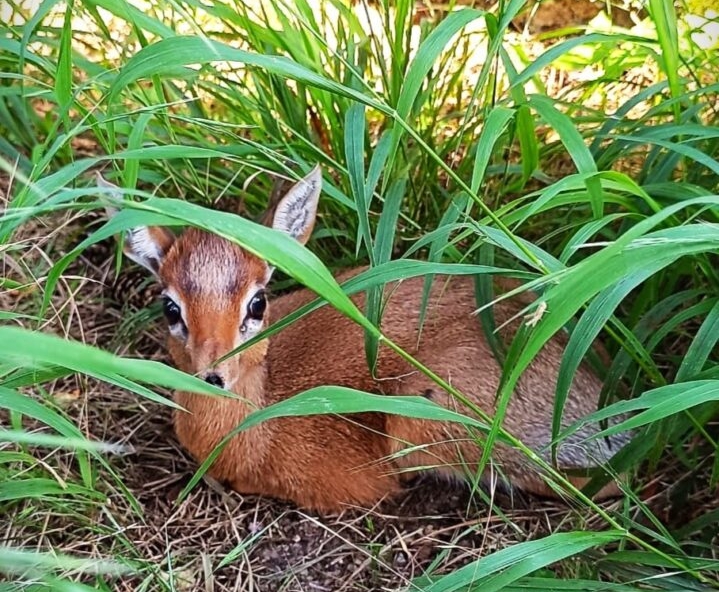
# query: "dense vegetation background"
581,160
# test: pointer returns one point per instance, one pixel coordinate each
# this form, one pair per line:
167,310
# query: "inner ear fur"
296,212
145,245
148,245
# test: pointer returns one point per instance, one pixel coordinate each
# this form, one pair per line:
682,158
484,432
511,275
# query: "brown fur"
325,462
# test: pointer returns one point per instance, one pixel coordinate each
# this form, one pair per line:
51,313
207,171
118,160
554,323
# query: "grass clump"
586,163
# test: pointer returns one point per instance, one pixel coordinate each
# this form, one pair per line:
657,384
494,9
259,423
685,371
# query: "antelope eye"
171,310
256,307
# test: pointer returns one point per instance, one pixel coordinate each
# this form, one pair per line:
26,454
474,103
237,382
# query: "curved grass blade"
325,400
558,50
651,323
53,441
583,335
655,405
33,349
684,150
576,148
553,196
139,19
494,126
24,404
502,568
167,56
39,14
552,584
40,488
585,233
387,225
427,55
582,282
18,561
400,269
702,346
278,248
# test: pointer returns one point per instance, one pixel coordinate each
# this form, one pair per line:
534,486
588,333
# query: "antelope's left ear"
145,245
115,192
296,212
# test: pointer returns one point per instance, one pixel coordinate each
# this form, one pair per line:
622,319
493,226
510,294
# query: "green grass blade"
38,350
494,126
501,568
39,488
565,47
337,400
574,143
63,79
18,562
52,441
139,19
427,55
657,404
387,225
528,144
354,154
278,248
24,404
170,56
577,285
134,143
583,335
702,346
377,162
665,19
400,269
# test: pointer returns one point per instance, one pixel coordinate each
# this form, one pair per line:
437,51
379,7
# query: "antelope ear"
296,212
114,191
145,245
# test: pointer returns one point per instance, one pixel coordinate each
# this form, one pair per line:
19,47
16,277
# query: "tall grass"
611,217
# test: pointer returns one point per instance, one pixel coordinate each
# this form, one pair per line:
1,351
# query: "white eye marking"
249,327
178,330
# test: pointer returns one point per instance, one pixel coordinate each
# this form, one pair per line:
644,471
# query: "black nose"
215,379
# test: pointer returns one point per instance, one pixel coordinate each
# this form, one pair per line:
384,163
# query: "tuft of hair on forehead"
203,263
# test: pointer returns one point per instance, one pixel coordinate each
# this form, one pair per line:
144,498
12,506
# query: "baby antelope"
215,298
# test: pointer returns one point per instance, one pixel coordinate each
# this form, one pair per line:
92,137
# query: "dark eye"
172,311
256,307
